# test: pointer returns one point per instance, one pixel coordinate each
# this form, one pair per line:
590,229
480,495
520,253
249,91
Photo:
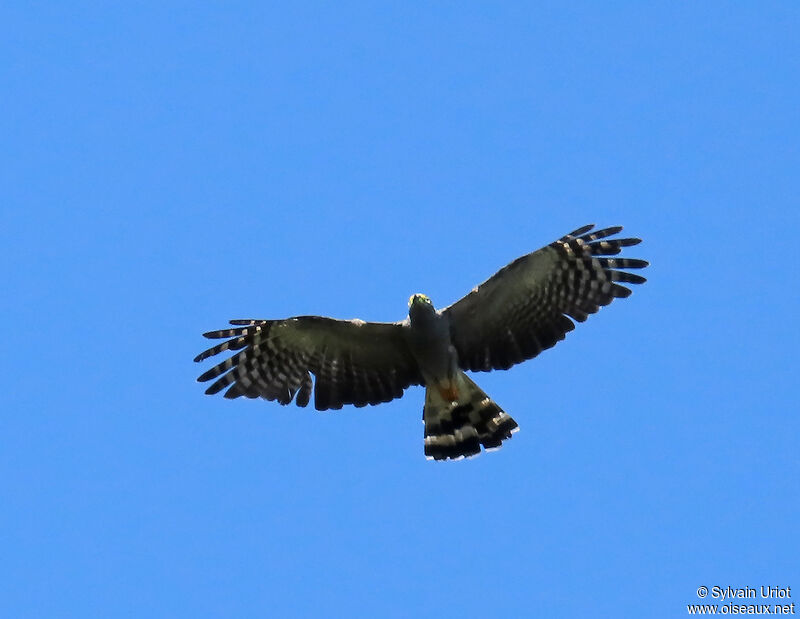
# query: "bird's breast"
430,344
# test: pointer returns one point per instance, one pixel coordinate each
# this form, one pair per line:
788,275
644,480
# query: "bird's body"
459,417
428,335
523,309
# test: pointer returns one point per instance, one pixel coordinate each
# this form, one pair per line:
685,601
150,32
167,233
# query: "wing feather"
528,306
353,362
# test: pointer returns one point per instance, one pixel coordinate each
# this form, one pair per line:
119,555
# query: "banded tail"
457,429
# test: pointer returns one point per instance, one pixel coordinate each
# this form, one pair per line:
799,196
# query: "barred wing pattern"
526,307
354,362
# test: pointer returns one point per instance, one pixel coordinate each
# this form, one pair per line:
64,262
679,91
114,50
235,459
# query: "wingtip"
582,230
207,376
213,389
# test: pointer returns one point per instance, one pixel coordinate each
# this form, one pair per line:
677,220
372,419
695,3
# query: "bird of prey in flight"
521,310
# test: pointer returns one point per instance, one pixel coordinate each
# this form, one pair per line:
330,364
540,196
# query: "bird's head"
419,305
420,298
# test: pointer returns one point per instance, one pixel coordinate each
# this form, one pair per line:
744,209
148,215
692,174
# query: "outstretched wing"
526,307
354,362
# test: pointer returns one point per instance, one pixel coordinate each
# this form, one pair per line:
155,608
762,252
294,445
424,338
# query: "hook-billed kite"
523,309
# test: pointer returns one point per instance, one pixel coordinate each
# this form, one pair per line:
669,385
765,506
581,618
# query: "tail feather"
457,429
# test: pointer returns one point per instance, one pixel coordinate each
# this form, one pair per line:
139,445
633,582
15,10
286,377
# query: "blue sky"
168,166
